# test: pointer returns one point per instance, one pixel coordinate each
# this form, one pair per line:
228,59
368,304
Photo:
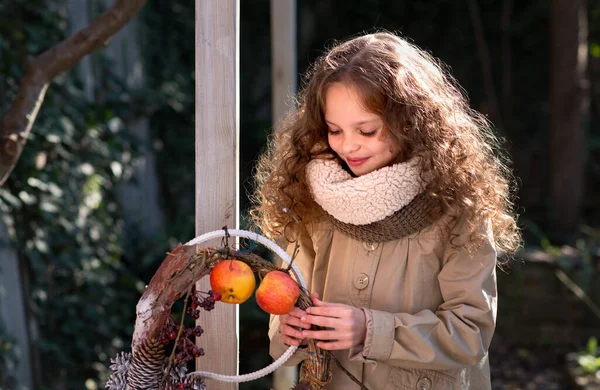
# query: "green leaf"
595,50
592,346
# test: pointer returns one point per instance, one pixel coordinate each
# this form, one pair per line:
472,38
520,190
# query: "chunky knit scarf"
383,205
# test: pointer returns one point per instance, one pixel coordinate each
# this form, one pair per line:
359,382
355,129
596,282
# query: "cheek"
332,142
396,152
388,145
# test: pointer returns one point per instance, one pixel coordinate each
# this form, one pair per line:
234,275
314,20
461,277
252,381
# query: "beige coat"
430,308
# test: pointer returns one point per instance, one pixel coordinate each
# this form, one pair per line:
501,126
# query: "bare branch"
41,70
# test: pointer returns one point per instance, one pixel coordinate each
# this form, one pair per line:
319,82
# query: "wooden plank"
283,56
12,308
217,143
283,88
139,198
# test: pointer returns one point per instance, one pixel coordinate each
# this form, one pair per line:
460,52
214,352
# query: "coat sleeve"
458,333
304,260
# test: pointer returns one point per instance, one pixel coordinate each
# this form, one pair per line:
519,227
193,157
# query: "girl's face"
356,135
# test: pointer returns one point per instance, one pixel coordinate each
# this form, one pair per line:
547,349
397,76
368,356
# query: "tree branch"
41,70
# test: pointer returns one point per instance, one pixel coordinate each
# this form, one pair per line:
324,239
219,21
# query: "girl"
403,207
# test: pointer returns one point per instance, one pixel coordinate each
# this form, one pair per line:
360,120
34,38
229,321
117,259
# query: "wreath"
161,348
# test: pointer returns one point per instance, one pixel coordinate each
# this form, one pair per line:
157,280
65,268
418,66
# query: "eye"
333,132
368,133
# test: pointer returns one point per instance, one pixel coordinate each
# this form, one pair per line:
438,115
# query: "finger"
332,345
331,310
298,322
291,331
324,321
318,305
290,340
316,301
292,321
296,312
321,334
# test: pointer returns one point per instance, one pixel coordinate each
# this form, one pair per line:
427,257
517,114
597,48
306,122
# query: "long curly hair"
423,106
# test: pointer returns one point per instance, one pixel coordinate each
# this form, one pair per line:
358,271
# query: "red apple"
233,279
277,293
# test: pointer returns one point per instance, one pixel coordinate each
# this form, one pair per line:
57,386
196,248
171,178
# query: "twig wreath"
162,347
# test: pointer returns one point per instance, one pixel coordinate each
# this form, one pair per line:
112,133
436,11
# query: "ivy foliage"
61,207
169,58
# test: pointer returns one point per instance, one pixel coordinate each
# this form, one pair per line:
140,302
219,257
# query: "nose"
350,143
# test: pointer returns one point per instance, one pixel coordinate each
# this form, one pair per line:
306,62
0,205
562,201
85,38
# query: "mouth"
355,162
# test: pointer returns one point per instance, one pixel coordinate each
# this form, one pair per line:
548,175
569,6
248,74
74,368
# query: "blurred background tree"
105,185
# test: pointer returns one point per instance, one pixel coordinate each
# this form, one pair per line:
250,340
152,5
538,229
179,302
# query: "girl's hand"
291,325
346,325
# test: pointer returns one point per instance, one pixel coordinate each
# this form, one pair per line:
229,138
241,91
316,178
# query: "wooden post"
283,55
217,135
283,87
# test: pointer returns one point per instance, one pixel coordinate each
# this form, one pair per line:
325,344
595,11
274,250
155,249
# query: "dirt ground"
528,368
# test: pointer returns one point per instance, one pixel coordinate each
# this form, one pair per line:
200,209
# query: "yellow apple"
277,293
233,279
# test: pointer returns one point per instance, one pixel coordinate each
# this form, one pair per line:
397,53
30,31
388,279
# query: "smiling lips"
355,162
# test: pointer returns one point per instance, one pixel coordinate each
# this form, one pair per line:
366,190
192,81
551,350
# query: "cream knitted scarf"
382,205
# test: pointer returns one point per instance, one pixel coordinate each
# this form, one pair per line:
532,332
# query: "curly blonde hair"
423,107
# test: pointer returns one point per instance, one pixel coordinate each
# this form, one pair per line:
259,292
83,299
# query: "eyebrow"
360,123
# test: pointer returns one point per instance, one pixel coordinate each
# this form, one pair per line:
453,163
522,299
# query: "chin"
360,171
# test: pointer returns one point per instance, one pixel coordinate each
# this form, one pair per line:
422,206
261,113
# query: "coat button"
361,281
424,384
370,246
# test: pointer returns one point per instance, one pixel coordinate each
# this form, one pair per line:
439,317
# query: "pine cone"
178,375
123,376
146,369
197,384
119,367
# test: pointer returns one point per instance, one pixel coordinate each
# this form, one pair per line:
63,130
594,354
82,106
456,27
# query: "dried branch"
178,271
579,293
178,337
41,70
344,370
